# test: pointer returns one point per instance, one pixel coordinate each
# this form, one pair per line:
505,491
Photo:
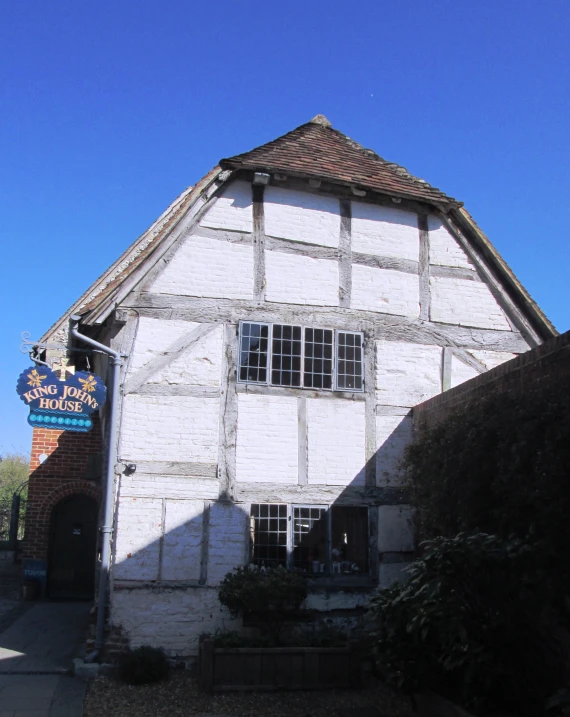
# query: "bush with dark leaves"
469,624
272,594
143,665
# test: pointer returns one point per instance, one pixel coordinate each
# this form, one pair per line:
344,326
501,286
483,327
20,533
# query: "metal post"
108,487
14,522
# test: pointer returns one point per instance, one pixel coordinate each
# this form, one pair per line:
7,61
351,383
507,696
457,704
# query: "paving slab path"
36,653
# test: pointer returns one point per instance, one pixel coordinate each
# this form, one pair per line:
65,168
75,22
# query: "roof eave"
442,203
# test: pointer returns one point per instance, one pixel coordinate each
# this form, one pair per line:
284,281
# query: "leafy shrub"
559,704
145,664
272,593
314,635
468,623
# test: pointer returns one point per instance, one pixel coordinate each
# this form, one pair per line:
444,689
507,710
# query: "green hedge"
500,465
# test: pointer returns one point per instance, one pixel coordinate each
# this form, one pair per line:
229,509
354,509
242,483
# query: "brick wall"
62,473
543,365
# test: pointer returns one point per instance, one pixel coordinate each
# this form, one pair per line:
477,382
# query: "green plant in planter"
468,624
273,594
143,665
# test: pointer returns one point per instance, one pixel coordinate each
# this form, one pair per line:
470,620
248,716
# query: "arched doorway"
73,543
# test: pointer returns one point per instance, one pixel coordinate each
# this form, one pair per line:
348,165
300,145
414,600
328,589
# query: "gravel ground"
180,697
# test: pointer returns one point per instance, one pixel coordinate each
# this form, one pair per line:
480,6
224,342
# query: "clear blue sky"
109,109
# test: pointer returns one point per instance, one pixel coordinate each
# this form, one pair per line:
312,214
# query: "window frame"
336,346
328,575
269,341
334,383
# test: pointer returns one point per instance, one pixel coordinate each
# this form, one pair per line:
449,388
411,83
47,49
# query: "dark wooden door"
71,568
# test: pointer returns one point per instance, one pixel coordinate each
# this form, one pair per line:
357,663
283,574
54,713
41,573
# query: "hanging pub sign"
62,402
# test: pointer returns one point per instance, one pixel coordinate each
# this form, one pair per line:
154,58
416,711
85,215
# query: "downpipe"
108,486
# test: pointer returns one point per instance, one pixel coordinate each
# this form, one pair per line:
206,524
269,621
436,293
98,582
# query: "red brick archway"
40,508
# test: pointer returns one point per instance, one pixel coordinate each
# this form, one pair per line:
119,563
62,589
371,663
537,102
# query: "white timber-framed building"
281,319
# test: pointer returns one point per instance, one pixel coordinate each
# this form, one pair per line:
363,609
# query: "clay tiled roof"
316,149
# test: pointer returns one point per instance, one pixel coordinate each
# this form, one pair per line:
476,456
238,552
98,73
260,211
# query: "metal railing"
12,519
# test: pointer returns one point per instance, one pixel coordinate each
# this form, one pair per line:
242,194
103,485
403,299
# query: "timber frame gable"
298,161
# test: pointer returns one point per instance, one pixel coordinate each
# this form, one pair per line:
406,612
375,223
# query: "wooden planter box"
277,668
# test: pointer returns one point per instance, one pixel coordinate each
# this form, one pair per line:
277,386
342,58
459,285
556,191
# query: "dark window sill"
350,582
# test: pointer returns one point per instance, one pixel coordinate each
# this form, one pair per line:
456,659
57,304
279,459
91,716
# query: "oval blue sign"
64,404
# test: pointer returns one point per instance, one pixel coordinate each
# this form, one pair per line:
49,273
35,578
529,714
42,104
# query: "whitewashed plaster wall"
385,291
294,279
169,428
490,359
300,216
171,619
267,439
232,210
383,231
461,372
393,434
153,336
336,442
206,267
444,249
407,374
465,303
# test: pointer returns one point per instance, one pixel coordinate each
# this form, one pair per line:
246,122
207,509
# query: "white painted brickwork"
296,279
138,539
267,439
171,619
493,358
208,268
461,372
465,303
233,210
336,442
199,365
170,428
153,486
443,248
384,231
395,528
301,216
385,291
407,374
393,433
182,540
228,540
153,336
337,600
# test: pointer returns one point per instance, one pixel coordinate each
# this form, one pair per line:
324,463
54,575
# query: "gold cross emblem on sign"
63,368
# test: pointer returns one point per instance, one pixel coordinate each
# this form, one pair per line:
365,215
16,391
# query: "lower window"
314,539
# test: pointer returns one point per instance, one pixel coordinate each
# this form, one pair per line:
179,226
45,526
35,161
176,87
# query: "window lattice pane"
309,540
253,353
349,361
318,358
286,355
349,539
268,526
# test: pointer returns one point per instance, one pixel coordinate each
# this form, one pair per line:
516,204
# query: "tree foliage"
471,624
14,470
